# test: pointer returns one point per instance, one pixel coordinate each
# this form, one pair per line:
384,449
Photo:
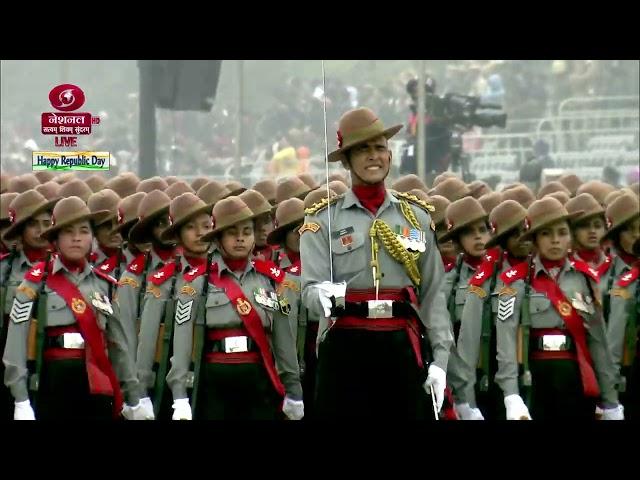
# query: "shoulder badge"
108,265
322,204
518,272
483,273
192,273
479,291
128,281
34,274
188,290
308,227
269,269
161,275
28,291
629,277
620,292
154,290
586,269
415,200
137,264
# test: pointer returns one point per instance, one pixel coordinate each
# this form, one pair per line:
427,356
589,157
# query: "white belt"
238,344
72,340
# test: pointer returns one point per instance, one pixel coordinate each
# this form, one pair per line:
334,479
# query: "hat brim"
528,235
339,155
92,217
139,233
211,235
14,230
236,192
496,239
277,234
617,227
587,216
106,218
171,231
450,234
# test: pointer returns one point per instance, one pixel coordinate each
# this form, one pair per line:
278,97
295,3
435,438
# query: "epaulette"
415,200
34,274
137,264
109,264
191,274
629,277
586,269
269,269
163,274
4,255
322,204
105,276
518,272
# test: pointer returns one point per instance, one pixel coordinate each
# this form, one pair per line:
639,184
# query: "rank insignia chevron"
506,308
20,311
183,311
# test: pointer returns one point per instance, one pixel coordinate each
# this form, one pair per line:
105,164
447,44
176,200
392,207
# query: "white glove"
142,411
599,412
516,409
436,379
465,412
23,411
615,413
293,409
327,290
181,409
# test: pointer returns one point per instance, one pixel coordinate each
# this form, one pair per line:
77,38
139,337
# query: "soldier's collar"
58,265
223,266
539,267
350,199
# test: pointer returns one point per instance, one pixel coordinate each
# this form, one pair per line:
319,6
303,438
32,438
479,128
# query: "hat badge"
213,221
449,224
12,215
53,219
609,223
494,227
170,219
339,135
527,223
120,216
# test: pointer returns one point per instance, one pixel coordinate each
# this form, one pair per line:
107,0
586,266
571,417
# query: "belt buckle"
236,344
72,340
554,343
380,308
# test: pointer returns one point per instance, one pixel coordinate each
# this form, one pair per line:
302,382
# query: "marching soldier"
263,210
73,377
189,221
477,340
107,248
466,223
239,335
372,273
623,228
447,249
549,320
5,223
267,188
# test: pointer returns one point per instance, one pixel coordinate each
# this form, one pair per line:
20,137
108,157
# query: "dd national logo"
67,98
66,124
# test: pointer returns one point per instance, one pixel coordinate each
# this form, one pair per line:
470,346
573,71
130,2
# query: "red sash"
573,321
251,321
102,378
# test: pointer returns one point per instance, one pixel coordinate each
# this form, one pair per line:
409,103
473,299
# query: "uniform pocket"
58,313
220,312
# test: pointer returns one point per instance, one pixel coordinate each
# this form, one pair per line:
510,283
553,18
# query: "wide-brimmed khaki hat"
504,219
24,206
308,179
256,202
198,182
357,127
178,188
213,191
521,194
5,200
22,183
316,196
586,204
68,211
421,194
599,190
289,214
490,200
562,197
268,189
442,177
104,200
124,184
75,188
461,214
171,179
154,205
551,187
344,178
128,213
96,182
337,186
440,204
65,177
227,213
150,184
451,188
571,181
44,176
182,209
622,210
235,187
479,188
542,213
608,200
291,187
409,182
634,188
49,190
